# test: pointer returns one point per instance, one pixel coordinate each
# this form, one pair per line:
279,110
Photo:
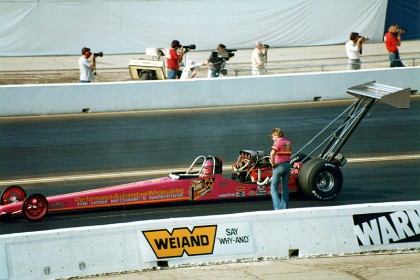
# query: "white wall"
150,95
123,247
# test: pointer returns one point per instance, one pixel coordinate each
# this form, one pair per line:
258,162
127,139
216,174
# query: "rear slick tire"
320,179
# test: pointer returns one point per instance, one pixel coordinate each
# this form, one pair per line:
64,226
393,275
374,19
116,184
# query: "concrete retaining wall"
146,244
150,95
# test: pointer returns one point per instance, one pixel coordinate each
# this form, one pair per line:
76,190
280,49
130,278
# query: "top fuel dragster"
318,177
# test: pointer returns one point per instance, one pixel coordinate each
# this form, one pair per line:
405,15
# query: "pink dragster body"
196,184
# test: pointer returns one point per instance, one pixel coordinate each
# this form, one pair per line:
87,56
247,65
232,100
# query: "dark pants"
395,59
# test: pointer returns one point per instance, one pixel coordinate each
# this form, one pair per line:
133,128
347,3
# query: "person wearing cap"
189,71
280,154
258,57
86,66
173,59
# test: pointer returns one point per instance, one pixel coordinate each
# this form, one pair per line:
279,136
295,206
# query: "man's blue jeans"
395,59
172,74
281,172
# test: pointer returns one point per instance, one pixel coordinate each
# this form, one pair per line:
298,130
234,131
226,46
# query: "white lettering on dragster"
385,228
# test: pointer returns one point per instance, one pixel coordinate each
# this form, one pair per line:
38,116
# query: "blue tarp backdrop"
405,13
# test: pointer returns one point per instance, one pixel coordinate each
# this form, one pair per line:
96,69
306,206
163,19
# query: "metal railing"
413,61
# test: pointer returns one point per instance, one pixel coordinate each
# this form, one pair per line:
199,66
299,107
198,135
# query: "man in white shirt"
86,66
354,49
258,57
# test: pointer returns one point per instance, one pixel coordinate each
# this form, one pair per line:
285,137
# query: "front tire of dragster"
320,179
12,194
35,207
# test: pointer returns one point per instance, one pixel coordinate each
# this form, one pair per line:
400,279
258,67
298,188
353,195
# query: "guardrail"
319,67
289,233
73,98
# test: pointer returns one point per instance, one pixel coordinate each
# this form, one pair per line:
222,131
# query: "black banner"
386,228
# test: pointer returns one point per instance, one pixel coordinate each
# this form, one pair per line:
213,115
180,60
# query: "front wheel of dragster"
320,179
12,194
35,207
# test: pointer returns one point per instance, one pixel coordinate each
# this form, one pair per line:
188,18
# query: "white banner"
45,27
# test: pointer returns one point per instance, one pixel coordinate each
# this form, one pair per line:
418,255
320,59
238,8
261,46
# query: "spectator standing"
280,154
215,61
353,50
173,59
86,65
392,41
258,58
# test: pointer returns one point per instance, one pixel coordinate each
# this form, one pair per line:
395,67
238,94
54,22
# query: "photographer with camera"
354,49
217,61
173,59
86,65
392,41
259,58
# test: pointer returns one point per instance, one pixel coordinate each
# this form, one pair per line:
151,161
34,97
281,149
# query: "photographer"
354,49
258,59
173,59
216,61
392,41
86,66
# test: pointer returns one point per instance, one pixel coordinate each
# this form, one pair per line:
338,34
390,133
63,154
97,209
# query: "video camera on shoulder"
226,54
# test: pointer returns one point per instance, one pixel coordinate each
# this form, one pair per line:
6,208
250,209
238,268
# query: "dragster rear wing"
368,95
393,96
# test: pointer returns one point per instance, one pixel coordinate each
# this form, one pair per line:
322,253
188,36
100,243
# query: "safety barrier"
151,95
289,233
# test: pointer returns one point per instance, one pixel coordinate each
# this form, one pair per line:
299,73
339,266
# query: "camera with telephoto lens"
187,48
100,54
402,30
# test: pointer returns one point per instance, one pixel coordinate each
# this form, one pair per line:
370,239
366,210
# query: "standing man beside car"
280,154
86,66
173,59
392,41
353,50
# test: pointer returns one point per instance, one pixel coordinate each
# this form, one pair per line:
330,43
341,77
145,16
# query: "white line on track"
81,177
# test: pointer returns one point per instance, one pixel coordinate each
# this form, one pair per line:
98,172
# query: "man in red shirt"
174,59
392,41
280,154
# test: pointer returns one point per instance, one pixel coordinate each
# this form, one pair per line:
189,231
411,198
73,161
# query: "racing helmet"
208,167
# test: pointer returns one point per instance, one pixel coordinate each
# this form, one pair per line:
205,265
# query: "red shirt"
390,42
172,62
283,149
